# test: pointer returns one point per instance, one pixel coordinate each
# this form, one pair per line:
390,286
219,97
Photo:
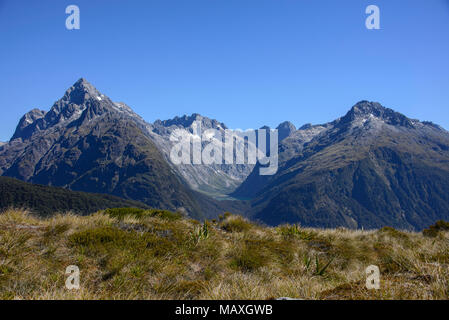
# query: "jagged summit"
83,85
80,91
80,96
305,126
368,109
365,106
82,82
81,102
24,128
186,121
285,129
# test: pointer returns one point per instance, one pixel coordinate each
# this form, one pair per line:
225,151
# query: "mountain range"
370,168
86,142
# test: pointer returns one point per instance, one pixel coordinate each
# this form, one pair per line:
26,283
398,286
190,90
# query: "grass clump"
296,231
254,253
290,230
235,223
249,259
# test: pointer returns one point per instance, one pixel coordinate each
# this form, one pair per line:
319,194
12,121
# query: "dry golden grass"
161,257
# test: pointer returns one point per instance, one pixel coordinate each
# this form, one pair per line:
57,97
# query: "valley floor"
160,255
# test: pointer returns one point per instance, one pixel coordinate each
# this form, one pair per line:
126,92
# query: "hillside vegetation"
157,254
45,200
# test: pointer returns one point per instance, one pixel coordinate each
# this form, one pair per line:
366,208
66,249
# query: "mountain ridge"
86,142
369,168
328,179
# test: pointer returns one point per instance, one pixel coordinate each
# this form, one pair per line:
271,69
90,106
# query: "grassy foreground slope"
136,254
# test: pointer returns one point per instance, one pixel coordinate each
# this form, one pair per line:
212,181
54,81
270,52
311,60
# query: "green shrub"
393,232
100,235
387,229
120,213
434,229
164,214
115,240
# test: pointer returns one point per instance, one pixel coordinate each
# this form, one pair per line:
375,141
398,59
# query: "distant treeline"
45,200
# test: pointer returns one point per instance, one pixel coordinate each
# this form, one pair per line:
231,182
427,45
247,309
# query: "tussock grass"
232,223
155,254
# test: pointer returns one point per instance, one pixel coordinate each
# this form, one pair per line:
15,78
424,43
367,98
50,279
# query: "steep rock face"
87,142
28,124
371,168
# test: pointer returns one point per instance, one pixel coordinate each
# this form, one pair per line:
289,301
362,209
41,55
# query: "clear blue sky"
244,62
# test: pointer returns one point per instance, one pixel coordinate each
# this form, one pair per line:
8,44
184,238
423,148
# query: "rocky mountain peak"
366,109
81,101
186,121
80,92
27,123
30,117
305,126
285,129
